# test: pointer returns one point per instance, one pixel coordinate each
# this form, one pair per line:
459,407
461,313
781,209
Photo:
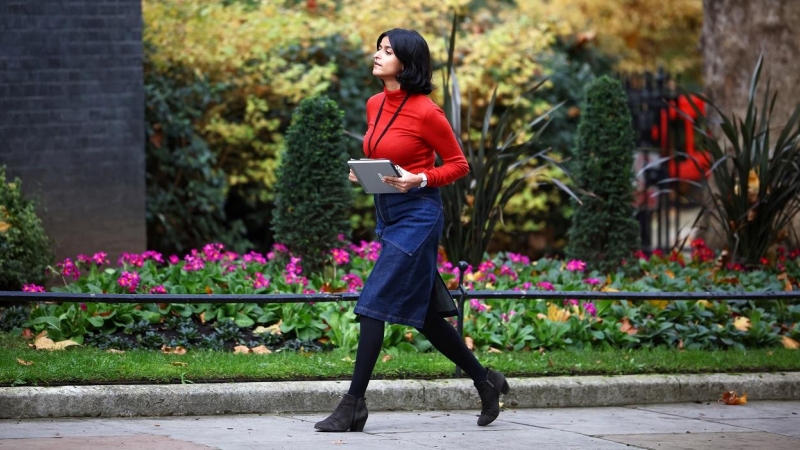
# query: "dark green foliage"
25,249
604,230
186,191
13,317
313,196
755,172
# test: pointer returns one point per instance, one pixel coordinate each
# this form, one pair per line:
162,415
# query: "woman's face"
386,66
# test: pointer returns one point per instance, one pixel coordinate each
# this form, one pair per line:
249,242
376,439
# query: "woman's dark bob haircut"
412,50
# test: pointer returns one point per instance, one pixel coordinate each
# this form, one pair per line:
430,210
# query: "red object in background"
696,165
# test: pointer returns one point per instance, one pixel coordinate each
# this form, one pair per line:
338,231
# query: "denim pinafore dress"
398,290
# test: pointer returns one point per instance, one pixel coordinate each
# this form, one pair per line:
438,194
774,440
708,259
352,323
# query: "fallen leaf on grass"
730,398
493,350
24,363
45,343
241,349
789,343
26,334
386,358
173,350
180,363
261,350
347,359
113,350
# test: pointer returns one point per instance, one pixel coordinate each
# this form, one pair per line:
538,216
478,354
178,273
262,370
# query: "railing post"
462,297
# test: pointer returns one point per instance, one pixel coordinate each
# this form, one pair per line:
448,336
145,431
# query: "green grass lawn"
86,365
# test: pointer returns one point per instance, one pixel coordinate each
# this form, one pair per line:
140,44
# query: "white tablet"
370,172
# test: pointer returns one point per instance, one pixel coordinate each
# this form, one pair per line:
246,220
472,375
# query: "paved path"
773,425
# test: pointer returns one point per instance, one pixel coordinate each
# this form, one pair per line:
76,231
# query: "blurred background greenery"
223,78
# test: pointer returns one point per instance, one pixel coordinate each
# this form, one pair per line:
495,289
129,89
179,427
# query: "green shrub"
313,196
25,249
603,230
186,191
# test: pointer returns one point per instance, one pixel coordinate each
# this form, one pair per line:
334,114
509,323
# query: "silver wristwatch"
424,180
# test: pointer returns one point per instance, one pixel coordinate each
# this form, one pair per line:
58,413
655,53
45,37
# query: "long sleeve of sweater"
419,132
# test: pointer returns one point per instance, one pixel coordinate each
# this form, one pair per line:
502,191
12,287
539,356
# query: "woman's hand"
352,177
406,181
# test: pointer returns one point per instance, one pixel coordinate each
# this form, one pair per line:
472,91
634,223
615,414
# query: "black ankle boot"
351,413
489,390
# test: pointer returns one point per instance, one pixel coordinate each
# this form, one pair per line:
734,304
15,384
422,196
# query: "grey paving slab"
140,441
613,420
716,410
708,441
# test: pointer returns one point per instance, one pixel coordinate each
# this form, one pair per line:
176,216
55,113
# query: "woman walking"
404,125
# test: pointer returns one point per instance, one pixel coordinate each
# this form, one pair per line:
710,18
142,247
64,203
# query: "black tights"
439,332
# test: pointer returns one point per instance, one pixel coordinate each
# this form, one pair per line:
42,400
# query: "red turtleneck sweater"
419,130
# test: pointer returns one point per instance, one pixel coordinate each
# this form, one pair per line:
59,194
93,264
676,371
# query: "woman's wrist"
424,179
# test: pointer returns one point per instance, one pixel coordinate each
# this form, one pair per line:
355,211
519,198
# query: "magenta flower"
154,255
516,258
129,280
68,268
477,305
84,259
254,257
32,288
131,259
545,285
213,252
259,281
340,256
160,289
590,308
571,302
173,259
83,306
100,258
592,281
354,282
486,266
193,263
367,250
508,272
576,265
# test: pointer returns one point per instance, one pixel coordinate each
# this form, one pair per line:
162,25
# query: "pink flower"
592,281
254,257
367,250
160,289
32,288
576,265
507,317
340,256
571,302
154,255
193,263
519,259
68,268
486,266
545,285
84,259
173,259
129,280
590,308
353,282
131,259
476,305
212,252
260,281
508,272
83,306
100,258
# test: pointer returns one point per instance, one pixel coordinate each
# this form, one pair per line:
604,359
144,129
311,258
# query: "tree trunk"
735,33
